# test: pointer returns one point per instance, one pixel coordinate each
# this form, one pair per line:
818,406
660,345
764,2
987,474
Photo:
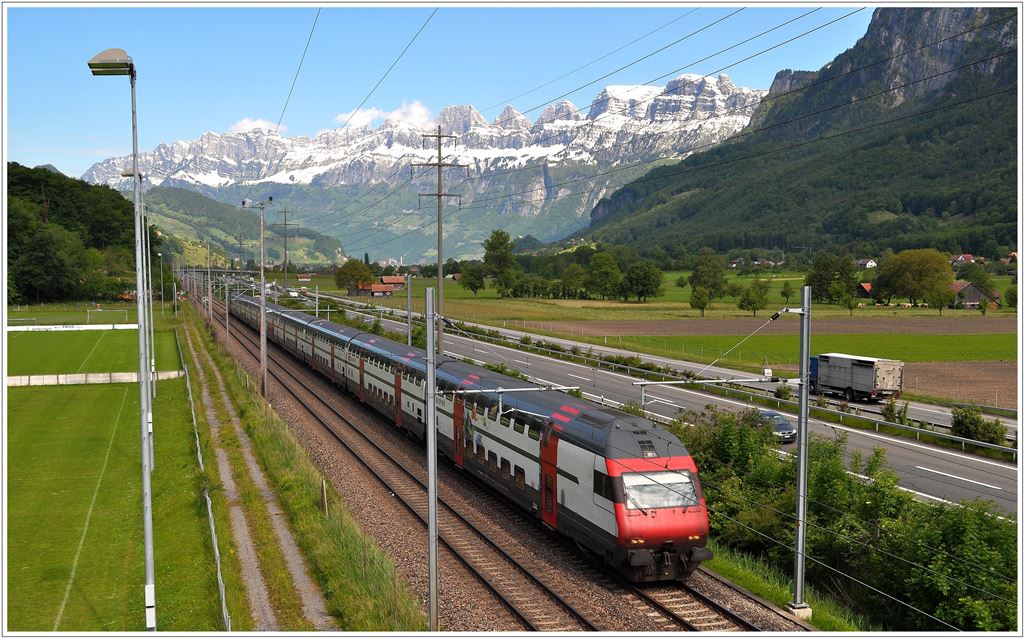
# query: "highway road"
933,473
916,411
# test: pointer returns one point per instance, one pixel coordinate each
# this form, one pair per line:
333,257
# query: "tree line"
67,239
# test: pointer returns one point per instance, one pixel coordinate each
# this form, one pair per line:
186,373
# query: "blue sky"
212,69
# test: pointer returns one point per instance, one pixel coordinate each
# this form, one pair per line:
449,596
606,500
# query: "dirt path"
252,579
786,325
314,607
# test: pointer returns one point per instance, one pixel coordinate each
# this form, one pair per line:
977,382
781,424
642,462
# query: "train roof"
604,430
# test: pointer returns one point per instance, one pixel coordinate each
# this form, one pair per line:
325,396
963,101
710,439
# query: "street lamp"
160,256
117,62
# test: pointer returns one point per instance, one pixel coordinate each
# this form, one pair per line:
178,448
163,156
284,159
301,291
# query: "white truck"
856,377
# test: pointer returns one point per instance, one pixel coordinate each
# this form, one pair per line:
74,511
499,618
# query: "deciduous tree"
352,273
709,273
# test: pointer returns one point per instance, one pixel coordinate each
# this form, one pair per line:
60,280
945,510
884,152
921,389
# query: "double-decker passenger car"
619,485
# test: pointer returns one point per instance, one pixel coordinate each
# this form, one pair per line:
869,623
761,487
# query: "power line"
594,61
423,26
767,98
751,156
280,119
764,128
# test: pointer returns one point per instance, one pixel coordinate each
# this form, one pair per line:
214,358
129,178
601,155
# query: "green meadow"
74,519
84,351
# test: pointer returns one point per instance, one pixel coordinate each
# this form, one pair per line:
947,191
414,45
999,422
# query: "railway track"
532,601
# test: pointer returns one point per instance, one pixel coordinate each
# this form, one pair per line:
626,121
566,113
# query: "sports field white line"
88,516
959,478
89,356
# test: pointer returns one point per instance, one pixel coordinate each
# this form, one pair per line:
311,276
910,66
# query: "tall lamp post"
117,62
160,256
263,298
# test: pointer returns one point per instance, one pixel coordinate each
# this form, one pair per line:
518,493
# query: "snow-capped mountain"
623,125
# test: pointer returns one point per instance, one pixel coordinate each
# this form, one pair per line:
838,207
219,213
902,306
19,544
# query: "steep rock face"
925,103
900,47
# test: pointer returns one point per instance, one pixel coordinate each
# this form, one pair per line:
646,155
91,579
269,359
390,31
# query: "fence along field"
74,541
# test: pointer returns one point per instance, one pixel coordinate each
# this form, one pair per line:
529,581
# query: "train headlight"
637,541
694,537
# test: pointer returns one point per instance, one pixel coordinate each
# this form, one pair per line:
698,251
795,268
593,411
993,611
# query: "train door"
333,364
362,378
549,476
458,431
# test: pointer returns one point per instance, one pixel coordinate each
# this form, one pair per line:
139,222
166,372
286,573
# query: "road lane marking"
960,478
576,376
525,363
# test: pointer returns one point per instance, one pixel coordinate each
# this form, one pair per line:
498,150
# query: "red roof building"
397,281
372,290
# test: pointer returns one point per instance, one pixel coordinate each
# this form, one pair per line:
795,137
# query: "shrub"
894,414
969,424
783,392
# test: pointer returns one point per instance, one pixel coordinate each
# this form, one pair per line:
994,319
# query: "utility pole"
431,461
209,282
408,309
798,607
440,165
284,225
263,301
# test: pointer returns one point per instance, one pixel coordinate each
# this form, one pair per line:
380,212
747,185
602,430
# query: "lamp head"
112,62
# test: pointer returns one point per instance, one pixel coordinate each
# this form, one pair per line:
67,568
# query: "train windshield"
653,490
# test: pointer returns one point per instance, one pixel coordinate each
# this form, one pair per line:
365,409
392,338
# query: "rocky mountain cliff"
350,168
905,140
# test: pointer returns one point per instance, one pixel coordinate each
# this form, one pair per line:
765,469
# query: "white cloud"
248,124
415,113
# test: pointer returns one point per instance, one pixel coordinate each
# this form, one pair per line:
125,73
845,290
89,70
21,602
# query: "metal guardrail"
601,363
225,615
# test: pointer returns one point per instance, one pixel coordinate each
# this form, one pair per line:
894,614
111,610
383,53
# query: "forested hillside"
66,239
906,140
191,215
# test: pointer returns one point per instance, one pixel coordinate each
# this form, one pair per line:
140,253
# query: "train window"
492,413
492,461
534,431
505,421
549,494
602,485
479,454
506,469
518,426
520,477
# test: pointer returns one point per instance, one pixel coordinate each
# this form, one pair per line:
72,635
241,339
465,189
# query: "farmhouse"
396,281
967,295
864,264
371,290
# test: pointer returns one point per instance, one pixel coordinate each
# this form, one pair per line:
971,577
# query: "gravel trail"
252,578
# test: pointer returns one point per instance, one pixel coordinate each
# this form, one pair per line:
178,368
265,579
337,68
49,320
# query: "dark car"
780,425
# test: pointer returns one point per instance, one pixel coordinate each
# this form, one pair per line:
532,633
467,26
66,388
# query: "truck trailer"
856,377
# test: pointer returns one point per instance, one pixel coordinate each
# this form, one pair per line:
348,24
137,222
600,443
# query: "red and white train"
617,484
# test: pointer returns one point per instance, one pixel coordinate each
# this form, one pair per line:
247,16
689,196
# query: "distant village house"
372,290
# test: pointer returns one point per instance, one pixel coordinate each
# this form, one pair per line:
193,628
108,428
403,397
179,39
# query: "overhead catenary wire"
592,62
768,152
386,73
833,107
280,119
789,515
767,98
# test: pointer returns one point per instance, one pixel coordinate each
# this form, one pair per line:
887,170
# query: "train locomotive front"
618,485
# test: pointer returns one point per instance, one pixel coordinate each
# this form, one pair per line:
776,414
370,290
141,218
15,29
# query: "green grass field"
75,551
782,349
84,351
